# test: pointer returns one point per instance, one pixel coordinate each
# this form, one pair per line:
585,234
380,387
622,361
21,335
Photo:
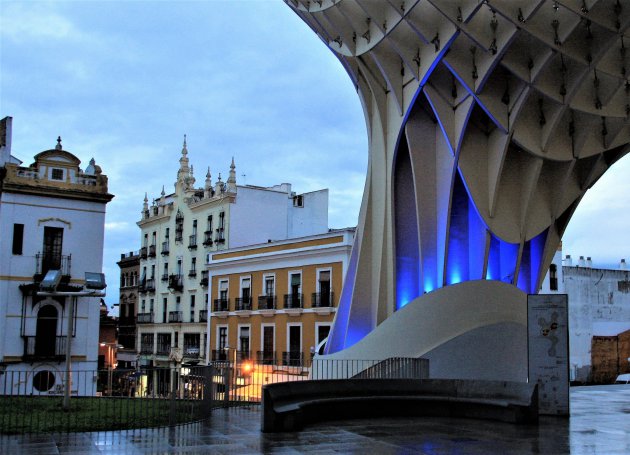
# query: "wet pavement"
599,424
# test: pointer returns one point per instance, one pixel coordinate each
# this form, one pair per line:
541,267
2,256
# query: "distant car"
623,379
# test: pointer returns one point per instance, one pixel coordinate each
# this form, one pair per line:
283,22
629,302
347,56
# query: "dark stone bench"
288,406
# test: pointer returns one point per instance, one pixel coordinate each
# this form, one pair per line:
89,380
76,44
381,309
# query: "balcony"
40,348
220,238
207,238
203,316
163,349
143,252
146,349
219,355
221,305
192,242
179,234
293,359
145,318
322,300
175,316
242,356
292,301
266,357
165,248
192,273
150,285
165,277
46,262
243,303
175,283
204,278
152,249
266,302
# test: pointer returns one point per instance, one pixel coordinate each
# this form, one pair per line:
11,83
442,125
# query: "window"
246,289
153,238
222,338
167,233
143,305
18,238
298,201
223,290
152,271
553,277
146,240
222,220
243,341
56,174
194,229
151,305
209,223
53,241
270,285
323,285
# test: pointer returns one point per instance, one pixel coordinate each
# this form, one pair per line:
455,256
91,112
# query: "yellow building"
275,303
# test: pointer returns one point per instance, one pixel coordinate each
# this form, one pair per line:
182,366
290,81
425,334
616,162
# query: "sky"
123,81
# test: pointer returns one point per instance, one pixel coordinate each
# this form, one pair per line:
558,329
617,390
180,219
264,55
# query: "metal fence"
31,401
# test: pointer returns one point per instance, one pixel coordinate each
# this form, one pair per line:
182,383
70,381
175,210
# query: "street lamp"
110,361
95,285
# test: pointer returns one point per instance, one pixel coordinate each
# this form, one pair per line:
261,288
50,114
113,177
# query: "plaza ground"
599,424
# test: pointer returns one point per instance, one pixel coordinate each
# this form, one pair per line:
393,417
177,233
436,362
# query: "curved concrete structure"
487,123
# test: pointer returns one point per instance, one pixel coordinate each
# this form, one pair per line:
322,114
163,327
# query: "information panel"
548,351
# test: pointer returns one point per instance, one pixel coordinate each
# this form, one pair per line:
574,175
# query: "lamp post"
110,360
94,284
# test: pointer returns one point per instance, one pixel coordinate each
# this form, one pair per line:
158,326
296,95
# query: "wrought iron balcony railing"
243,303
165,248
192,242
44,347
203,316
266,357
176,283
146,349
266,302
322,300
221,305
145,318
175,316
143,252
293,359
163,349
150,285
152,251
293,300
192,351
207,238
46,262
165,277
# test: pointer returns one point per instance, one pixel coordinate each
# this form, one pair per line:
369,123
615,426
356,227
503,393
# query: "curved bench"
288,406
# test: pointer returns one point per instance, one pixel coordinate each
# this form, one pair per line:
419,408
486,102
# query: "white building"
52,217
178,231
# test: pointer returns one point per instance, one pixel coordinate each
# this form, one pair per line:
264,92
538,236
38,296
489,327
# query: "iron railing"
221,305
41,348
46,262
207,238
203,315
165,249
192,242
143,252
30,400
175,316
266,302
145,318
322,300
243,304
151,251
293,300
204,278
176,282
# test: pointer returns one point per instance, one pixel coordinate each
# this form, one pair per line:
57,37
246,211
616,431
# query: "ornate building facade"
178,233
52,216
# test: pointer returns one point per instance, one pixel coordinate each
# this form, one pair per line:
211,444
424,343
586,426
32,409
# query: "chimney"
568,261
623,265
5,140
589,263
581,262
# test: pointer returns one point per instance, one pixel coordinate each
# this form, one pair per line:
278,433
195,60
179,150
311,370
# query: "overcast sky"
123,81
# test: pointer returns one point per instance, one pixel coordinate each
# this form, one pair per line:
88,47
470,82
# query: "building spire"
208,185
58,146
231,181
145,206
183,174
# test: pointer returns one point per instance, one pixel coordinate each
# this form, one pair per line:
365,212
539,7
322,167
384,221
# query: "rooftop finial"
162,193
231,181
58,146
184,148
